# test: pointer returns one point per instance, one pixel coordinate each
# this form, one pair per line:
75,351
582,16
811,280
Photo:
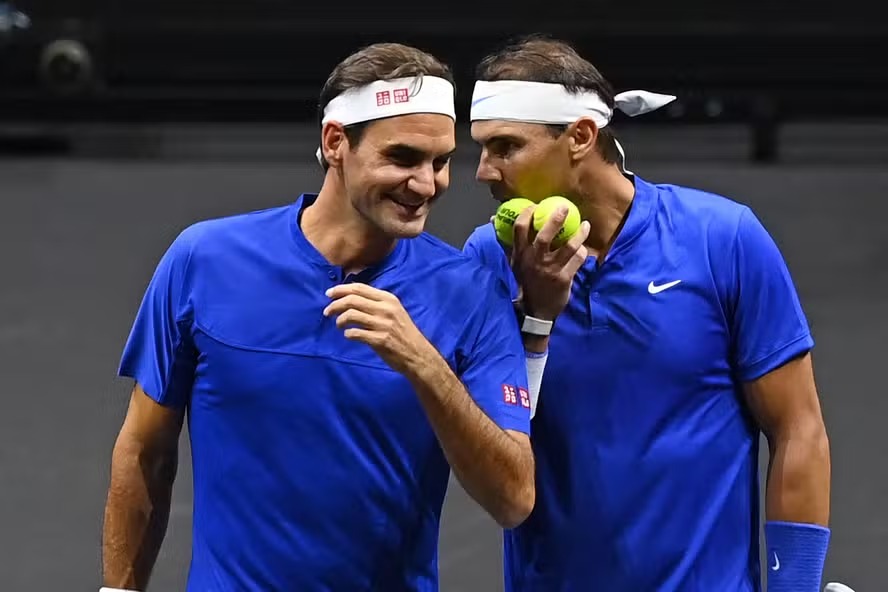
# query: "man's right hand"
546,274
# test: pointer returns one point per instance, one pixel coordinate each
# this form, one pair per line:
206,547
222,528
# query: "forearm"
535,343
797,511
798,487
136,514
494,468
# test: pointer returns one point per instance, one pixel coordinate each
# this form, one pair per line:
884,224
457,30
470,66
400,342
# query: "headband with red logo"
390,98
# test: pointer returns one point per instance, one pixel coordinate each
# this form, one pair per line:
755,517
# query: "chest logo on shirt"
654,289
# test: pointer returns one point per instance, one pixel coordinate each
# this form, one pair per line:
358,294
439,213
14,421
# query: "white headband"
389,98
548,103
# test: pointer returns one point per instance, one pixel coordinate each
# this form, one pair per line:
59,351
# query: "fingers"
543,240
359,289
574,249
522,229
371,338
575,262
583,233
359,318
355,302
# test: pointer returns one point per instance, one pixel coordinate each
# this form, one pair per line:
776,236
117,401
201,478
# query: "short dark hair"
539,58
380,61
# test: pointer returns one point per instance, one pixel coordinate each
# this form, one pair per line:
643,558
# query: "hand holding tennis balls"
508,212
504,219
547,208
545,251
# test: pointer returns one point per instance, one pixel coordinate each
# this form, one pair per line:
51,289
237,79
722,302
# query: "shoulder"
708,218
483,235
455,271
209,237
707,209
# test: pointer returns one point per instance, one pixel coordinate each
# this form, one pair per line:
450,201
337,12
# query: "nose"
422,182
486,173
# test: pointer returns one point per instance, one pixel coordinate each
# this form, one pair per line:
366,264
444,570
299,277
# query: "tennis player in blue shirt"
332,359
681,340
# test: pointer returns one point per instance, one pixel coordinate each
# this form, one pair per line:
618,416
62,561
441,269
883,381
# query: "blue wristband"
796,553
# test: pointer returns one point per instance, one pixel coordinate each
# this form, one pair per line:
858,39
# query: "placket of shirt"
336,275
594,277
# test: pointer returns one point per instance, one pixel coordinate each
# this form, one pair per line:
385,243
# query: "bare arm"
784,402
495,466
143,468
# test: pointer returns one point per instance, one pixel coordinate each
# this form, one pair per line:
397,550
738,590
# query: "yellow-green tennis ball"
506,214
547,208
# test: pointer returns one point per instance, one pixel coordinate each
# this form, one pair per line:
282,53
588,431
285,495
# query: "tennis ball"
505,217
547,208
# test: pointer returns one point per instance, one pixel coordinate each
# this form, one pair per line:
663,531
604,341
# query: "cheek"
371,179
528,175
387,177
442,179
523,162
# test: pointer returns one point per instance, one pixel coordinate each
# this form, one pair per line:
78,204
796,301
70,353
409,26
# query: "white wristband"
534,326
536,363
107,589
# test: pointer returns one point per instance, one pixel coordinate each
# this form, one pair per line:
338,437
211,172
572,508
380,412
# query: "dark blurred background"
123,122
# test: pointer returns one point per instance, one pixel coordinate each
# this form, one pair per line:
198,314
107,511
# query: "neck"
339,233
604,204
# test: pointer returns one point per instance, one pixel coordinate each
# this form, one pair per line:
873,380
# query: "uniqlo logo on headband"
509,394
401,95
525,397
383,97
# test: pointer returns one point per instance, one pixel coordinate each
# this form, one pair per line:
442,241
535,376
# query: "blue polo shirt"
315,467
646,458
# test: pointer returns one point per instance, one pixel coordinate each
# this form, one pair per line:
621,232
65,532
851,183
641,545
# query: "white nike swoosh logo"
657,289
776,566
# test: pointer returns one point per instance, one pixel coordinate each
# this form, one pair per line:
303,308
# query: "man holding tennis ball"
675,344
508,213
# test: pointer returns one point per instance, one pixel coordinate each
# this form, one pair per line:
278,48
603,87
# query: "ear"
333,143
581,136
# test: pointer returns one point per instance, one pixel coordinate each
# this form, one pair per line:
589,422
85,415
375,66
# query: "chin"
399,225
410,229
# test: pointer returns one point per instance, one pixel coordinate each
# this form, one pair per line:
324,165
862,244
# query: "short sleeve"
159,353
492,365
483,247
768,324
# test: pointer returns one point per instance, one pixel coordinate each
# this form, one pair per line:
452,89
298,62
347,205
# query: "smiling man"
336,362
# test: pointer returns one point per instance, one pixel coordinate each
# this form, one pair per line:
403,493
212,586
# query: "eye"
440,163
405,158
501,147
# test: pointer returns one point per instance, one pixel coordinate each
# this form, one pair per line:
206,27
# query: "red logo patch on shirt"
401,95
383,97
510,395
525,397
